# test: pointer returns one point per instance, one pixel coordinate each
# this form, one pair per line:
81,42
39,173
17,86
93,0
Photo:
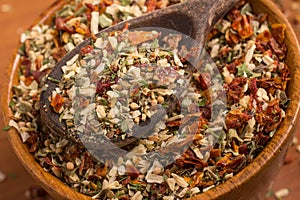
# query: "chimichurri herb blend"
249,54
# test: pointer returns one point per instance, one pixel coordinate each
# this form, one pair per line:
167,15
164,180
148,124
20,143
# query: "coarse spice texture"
248,52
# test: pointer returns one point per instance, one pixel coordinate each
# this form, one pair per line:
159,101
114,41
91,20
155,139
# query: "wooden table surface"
15,17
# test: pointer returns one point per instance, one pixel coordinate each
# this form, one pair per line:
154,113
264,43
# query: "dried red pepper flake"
231,38
204,80
215,153
151,5
102,7
212,34
235,90
236,119
57,102
91,6
224,51
271,84
60,23
86,50
261,138
26,67
262,17
262,46
265,36
132,171
174,123
243,149
242,26
236,162
232,67
236,24
253,86
108,2
270,118
102,86
247,29
38,75
86,162
224,161
278,32
196,179
58,53
231,162
126,181
234,14
28,80
189,159
279,50
284,72
102,171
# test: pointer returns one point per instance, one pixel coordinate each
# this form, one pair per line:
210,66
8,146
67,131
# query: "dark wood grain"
18,180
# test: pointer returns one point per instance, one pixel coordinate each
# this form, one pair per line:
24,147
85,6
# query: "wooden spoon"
194,18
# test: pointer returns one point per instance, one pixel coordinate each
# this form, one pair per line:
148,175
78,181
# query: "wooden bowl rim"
57,188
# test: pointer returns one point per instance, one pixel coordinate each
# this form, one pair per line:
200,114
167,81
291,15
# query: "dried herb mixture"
248,52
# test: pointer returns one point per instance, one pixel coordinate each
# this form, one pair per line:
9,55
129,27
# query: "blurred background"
15,182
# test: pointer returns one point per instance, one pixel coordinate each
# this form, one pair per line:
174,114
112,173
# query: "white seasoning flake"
183,192
135,114
121,170
171,183
177,60
100,111
180,181
208,188
24,135
249,54
69,46
134,106
214,51
113,42
168,198
262,94
137,196
245,101
94,22
279,194
225,25
104,21
195,190
267,60
72,60
263,27
153,178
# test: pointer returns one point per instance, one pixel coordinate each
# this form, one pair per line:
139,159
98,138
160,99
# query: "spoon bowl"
194,18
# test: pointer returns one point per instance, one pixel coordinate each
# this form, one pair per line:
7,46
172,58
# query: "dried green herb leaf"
246,9
202,102
125,2
6,128
12,103
243,69
53,80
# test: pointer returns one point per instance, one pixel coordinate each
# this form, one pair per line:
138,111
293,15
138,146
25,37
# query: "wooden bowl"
250,183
